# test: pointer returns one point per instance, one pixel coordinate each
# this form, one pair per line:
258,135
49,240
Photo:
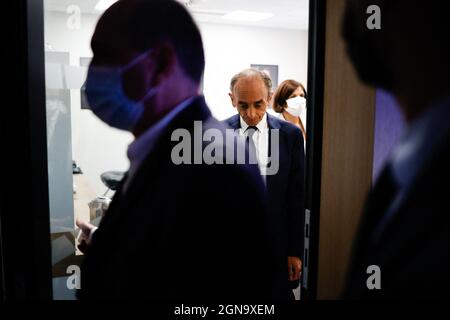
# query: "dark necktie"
250,145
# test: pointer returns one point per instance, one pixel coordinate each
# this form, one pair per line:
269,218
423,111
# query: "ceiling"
287,14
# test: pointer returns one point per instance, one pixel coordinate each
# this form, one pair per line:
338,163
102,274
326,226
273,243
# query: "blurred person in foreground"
404,235
174,230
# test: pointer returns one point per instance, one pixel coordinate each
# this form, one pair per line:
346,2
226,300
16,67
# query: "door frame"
25,243
316,78
24,204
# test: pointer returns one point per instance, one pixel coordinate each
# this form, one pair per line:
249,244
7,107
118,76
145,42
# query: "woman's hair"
283,92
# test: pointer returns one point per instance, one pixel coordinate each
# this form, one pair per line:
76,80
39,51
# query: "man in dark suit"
402,249
280,154
171,231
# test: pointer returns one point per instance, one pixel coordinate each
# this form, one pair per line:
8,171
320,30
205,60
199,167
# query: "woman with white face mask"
290,102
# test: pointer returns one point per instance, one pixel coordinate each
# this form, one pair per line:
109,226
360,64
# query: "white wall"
229,49
95,146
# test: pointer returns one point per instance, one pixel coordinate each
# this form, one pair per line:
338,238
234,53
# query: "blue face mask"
108,101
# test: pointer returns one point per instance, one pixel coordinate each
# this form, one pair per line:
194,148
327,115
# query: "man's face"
251,98
110,47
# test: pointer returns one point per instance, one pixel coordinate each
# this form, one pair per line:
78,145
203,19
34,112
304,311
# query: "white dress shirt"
140,148
261,141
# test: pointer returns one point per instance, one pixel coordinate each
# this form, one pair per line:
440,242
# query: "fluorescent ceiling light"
241,15
102,5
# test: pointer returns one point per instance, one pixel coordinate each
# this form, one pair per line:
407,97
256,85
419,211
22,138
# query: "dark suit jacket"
182,232
413,252
286,188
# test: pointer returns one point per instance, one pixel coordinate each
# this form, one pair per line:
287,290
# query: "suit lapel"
234,122
274,180
409,224
372,214
151,168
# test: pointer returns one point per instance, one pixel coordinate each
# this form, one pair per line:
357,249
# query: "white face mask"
107,100
296,106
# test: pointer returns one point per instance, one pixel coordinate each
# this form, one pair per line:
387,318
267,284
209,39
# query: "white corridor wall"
228,48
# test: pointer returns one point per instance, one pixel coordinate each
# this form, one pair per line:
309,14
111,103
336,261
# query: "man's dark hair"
412,38
156,21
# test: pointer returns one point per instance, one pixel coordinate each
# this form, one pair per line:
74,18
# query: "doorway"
67,150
